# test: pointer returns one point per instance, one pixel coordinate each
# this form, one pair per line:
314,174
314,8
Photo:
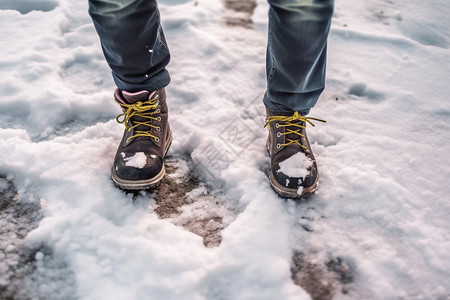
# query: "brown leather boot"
293,171
139,161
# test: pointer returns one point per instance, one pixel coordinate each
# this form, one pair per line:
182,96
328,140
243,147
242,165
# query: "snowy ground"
379,227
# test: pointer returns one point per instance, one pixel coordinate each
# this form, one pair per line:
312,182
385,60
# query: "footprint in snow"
187,202
360,89
322,280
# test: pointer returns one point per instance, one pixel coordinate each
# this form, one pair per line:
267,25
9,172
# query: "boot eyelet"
278,134
158,128
278,146
159,119
158,110
277,125
157,139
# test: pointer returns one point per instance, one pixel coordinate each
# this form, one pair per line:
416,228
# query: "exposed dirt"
239,12
171,193
321,280
182,198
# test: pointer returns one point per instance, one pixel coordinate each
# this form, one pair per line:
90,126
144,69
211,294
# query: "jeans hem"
159,81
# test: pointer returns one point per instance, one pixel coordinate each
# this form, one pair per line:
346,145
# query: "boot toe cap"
288,182
150,170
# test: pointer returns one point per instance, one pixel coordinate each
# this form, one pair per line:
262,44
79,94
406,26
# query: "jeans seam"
160,29
161,39
270,52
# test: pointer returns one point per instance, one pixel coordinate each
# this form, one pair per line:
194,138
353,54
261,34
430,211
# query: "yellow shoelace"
292,121
146,109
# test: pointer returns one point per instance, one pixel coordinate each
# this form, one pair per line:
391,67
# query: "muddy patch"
189,203
239,12
322,280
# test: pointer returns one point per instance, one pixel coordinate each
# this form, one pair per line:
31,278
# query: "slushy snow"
378,228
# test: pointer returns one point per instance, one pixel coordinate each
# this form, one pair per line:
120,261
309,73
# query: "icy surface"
378,228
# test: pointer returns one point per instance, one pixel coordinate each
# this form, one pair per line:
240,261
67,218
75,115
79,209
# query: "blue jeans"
136,50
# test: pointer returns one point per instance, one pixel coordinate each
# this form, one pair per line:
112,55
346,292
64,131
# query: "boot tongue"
132,98
135,97
295,136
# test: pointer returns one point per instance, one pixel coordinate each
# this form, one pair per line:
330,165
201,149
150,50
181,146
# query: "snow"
138,160
378,228
295,166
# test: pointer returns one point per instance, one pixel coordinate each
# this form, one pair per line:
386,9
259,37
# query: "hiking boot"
293,169
139,161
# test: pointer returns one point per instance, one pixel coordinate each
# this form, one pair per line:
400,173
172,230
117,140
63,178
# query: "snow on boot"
139,161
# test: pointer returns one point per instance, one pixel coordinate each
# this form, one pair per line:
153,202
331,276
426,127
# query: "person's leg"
135,48
133,42
296,57
296,53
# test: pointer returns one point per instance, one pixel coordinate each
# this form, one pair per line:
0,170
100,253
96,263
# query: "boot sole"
144,184
292,193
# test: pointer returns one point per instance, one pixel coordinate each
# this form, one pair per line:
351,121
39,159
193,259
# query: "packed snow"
295,166
138,160
378,228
